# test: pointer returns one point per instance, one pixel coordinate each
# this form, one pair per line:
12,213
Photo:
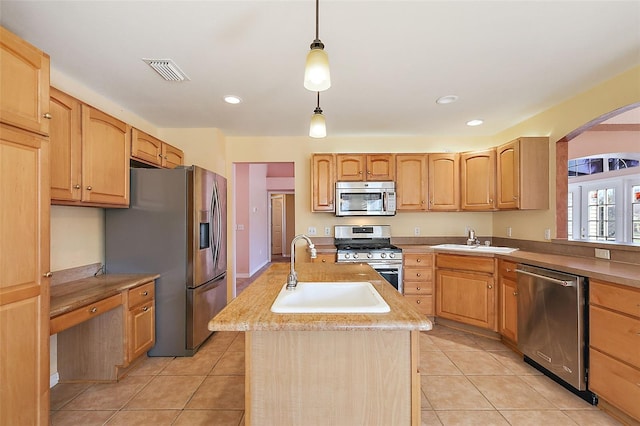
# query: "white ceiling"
390,60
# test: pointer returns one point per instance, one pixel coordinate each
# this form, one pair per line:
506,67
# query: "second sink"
356,297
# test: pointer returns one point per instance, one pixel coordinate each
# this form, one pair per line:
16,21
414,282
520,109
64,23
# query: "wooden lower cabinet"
463,294
508,303
325,258
614,342
24,277
140,321
418,281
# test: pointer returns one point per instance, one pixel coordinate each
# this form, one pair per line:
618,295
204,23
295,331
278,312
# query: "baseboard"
259,267
53,380
243,275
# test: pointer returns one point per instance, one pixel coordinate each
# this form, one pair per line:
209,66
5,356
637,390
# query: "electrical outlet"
508,231
312,230
327,231
240,227
603,254
416,231
547,234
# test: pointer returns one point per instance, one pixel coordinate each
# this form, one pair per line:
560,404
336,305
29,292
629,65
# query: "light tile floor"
466,380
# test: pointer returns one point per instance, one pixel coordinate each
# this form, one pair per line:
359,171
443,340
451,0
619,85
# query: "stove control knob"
383,255
392,255
369,255
347,255
355,255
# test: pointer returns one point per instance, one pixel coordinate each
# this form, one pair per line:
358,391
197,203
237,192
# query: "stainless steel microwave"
365,198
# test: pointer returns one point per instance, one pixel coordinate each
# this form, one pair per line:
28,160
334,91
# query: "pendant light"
316,73
318,127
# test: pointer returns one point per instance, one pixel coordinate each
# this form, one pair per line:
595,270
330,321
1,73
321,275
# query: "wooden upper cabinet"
323,182
444,182
362,167
478,180
172,157
105,158
411,182
24,279
24,84
66,146
523,174
153,151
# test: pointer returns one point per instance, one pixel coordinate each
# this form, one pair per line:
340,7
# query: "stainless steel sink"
476,248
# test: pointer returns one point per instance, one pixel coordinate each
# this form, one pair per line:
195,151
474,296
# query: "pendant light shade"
318,127
317,77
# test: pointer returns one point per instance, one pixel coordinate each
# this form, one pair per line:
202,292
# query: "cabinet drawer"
83,313
423,304
141,294
418,259
325,258
507,269
466,263
617,383
418,274
618,298
418,287
615,334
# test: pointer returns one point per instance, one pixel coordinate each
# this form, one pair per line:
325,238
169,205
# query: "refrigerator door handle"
212,231
218,213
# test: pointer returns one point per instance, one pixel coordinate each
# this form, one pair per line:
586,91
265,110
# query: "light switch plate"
312,230
603,254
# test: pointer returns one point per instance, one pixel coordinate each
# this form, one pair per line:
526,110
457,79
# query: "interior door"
277,210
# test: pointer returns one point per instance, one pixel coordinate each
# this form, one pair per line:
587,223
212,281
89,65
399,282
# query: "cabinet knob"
76,186
515,293
324,260
145,293
418,260
47,275
368,172
418,288
160,155
508,269
93,310
47,116
418,302
89,188
145,309
418,274
515,198
360,172
491,200
489,286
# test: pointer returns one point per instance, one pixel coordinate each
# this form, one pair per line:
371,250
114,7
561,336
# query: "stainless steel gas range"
370,244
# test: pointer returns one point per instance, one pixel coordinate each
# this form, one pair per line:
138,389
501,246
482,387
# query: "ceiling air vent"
167,69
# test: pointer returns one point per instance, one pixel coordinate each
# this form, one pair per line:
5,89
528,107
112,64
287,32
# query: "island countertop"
251,311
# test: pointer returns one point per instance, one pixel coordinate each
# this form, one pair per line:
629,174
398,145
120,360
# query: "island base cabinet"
332,378
615,382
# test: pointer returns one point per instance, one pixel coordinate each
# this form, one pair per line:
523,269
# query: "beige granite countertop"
251,311
606,270
69,296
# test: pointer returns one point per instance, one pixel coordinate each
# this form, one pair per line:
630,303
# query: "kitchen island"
319,369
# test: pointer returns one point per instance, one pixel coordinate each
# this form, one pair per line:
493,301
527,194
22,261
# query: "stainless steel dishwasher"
552,326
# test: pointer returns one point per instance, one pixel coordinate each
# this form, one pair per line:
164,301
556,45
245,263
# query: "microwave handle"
385,201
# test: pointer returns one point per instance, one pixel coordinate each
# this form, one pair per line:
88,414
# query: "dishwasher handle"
563,283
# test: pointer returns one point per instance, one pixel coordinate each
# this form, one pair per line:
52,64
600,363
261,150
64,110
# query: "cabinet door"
350,167
323,182
146,148
508,309
478,176
444,182
411,182
65,137
24,84
24,264
381,167
508,175
172,157
106,145
466,297
141,334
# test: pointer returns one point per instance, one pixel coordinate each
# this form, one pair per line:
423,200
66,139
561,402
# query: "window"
635,213
601,214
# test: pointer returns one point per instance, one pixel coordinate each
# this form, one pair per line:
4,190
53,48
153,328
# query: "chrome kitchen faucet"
292,279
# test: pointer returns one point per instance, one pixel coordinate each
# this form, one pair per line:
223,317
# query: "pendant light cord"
318,110
317,19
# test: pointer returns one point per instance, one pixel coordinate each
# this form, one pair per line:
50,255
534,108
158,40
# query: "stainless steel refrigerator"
175,226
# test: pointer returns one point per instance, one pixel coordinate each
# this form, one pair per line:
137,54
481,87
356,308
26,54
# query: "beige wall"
204,147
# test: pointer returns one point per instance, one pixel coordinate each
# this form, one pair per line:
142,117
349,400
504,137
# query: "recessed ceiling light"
475,122
232,99
449,99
